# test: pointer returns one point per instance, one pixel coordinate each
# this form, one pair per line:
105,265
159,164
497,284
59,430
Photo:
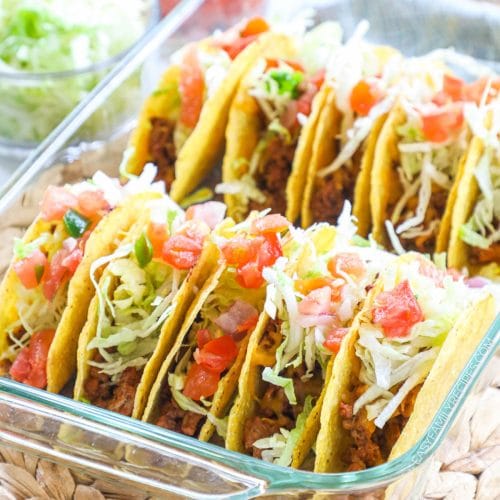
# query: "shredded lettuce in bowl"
53,36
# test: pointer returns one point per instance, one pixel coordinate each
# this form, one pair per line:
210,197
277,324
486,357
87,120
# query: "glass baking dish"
145,457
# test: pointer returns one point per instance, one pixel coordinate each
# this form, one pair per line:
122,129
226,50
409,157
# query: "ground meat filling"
117,397
273,408
162,149
332,191
485,255
371,446
272,175
174,418
425,243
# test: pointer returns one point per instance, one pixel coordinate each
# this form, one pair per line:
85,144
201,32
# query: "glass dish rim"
279,477
20,76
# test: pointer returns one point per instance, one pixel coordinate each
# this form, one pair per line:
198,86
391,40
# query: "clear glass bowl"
33,104
140,455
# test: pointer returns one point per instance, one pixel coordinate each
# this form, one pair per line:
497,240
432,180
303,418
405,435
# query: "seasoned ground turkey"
486,255
274,410
435,211
371,446
272,175
117,397
332,191
162,149
176,419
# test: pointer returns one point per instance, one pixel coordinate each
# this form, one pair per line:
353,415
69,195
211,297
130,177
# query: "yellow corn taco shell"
180,305
333,440
61,362
324,151
386,187
245,128
201,150
216,283
467,195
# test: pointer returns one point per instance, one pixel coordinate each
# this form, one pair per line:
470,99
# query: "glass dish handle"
102,451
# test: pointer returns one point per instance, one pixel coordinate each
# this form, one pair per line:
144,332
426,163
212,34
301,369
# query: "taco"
181,127
312,296
272,122
348,128
46,290
405,349
419,161
145,289
196,383
475,224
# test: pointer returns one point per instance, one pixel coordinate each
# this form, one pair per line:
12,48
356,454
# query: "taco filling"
400,336
44,267
310,315
162,149
284,92
136,295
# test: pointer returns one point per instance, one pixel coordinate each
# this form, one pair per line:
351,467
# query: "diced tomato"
72,260
443,123
211,212
32,269
200,382
429,269
346,262
254,26
334,339
56,202
396,311
270,250
191,87
234,48
304,102
240,250
217,354
202,337
57,274
30,366
247,325
273,223
92,203
249,275
364,96
157,234
453,87
318,78
181,252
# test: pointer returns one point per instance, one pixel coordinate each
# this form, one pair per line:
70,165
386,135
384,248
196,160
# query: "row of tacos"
311,348
310,122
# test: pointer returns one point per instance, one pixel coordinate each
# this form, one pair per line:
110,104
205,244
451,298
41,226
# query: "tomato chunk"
255,26
202,337
443,123
249,275
240,250
346,262
30,366
273,223
93,203
269,251
181,252
157,234
56,202
191,87
396,311
364,96
200,382
334,338
217,354
57,274
32,269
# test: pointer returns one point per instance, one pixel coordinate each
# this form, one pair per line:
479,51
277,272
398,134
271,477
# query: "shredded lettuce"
23,250
268,375
279,447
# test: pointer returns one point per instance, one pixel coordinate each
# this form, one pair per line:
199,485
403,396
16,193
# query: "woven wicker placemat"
467,465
